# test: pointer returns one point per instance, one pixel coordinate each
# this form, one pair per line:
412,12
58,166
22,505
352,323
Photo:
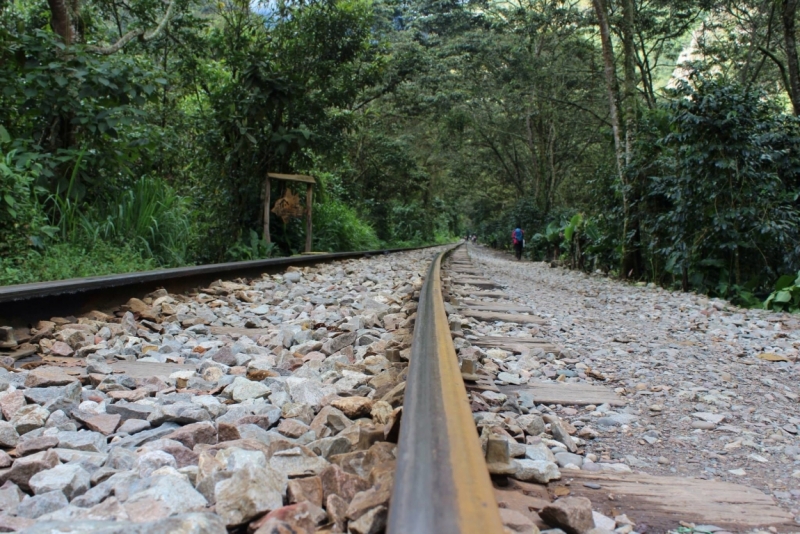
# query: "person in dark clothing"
518,240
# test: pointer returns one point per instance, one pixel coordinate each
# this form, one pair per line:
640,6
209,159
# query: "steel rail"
442,485
42,300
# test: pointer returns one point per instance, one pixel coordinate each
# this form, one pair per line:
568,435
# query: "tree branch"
770,54
133,34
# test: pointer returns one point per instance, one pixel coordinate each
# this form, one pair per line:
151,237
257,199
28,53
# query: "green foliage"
727,189
337,227
421,120
68,260
786,296
254,248
151,217
22,223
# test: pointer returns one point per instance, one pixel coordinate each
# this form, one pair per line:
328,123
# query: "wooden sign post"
288,209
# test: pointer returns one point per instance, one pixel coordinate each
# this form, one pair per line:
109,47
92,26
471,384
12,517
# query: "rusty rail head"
441,483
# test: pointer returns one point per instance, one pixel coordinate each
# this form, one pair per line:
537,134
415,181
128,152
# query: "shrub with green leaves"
786,296
22,221
59,261
337,227
152,217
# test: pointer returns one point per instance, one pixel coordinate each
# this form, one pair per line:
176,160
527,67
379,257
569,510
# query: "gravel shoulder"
711,389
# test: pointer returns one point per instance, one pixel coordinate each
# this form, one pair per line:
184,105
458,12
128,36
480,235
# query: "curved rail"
442,485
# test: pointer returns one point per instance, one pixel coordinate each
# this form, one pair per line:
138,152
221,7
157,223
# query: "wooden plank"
253,333
148,369
292,177
514,346
475,282
661,502
505,317
267,193
308,216
567,393
496,306
491,340
482,294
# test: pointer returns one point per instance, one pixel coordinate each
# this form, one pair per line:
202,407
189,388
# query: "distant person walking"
518,240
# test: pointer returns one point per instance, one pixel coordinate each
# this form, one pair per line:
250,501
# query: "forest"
651,140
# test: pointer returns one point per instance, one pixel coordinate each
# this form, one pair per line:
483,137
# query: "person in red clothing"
518,240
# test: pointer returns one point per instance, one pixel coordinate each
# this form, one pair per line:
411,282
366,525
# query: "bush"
724,200
70,260
22,221
152,217
337,227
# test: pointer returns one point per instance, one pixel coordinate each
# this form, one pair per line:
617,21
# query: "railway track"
364,393
24,303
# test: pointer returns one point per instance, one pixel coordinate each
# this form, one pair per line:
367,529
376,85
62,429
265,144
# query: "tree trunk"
788,14
629,98
60,20
612,89
611,79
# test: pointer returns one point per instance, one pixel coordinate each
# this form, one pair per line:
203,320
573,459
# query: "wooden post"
267,192
309,195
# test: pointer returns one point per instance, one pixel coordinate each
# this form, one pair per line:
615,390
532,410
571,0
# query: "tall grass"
152,217
149,217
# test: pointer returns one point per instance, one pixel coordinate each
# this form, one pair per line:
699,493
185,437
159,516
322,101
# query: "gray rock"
293,276
39,505
59,420
83,440
327,447
532,424
338,343
98,367
151,460
10,496
194,523
121,459
305,391
9,437
295,463
243,389
84,526
167,495
130,410
560,433
257,433
536,471
43,395
29,445
95,495
249,492
180,412
565,458
572,514
29,418
234,458
71,479
132,426
143,437
539,451
24,468
268,415
616,419
91,461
